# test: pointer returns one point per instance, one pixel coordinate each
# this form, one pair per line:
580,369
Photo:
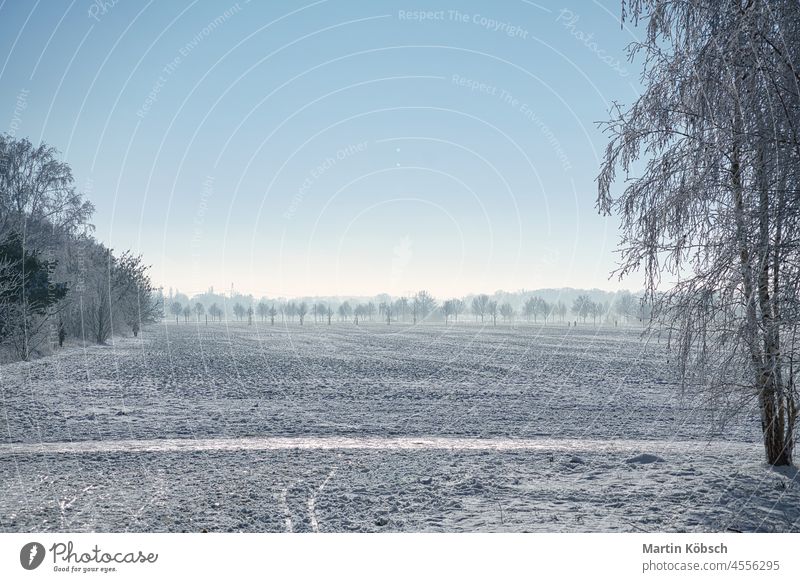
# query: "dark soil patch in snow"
644,459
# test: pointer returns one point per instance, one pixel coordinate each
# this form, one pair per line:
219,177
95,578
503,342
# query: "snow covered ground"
376,428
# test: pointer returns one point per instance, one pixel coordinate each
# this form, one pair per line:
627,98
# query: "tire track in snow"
312,502
287,514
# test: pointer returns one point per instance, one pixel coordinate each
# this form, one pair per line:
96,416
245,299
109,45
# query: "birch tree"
710,208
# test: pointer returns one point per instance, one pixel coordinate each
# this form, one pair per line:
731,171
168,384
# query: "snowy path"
373,443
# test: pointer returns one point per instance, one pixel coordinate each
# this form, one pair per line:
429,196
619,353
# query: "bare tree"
507,312
215,312
480,306
715,204
447,309
291,310
401,307
345,311
263,310
491,310
582,307
359,312
238,311
529,308
625,305
322,310
562,310
543,309
592,309
176,308
535,306
458,307
37,196
302,310
426,303
135,300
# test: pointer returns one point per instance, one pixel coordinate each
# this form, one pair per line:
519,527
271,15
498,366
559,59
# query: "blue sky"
331,147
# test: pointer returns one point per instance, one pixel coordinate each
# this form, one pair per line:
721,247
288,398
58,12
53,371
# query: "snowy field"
376,428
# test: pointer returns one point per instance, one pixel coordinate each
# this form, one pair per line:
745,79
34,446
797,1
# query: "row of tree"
56,280
420,307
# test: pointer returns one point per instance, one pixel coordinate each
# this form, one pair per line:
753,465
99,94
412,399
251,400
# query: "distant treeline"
56,280
542,306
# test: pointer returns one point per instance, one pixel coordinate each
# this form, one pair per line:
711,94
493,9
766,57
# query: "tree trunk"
774,402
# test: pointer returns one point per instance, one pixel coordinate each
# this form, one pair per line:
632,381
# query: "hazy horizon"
234,292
